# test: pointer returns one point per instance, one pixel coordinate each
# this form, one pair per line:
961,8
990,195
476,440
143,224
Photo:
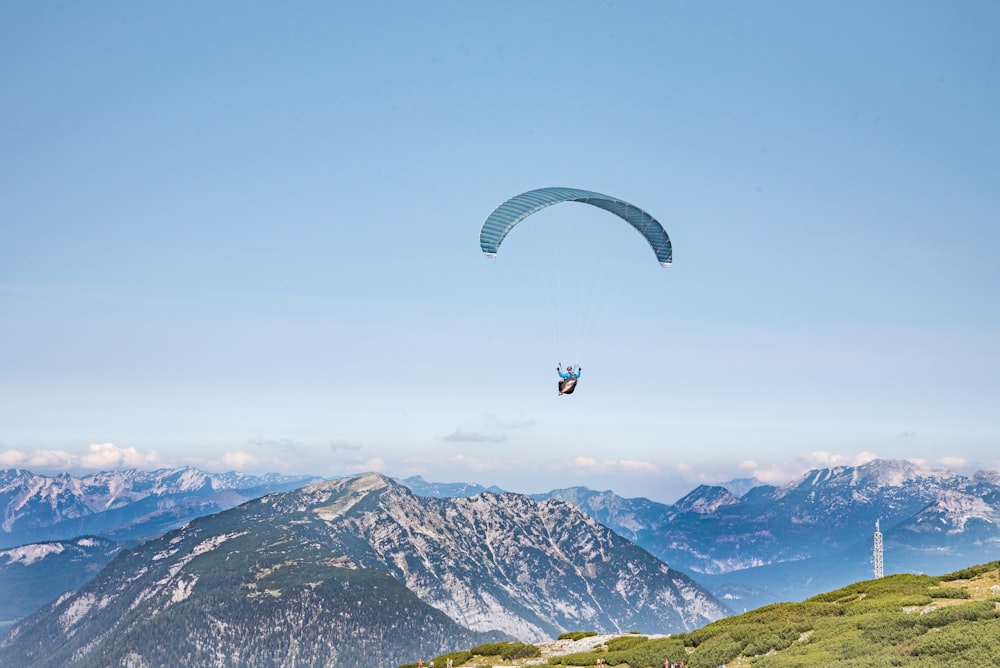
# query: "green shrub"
651,653
943,644
891,585
507,650
625,642
577,659
938,618
972,571
458,658
715,652
772,637
784,660
576,635
962,643
949,592
887,603
892,629
977,611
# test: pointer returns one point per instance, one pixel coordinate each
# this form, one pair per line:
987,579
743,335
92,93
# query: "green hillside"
898,620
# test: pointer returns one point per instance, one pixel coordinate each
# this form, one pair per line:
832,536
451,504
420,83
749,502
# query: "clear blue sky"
246,236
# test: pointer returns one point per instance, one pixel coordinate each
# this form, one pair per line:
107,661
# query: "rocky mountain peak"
706,499
878,474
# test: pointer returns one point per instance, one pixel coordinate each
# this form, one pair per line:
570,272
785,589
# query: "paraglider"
569,378
513,211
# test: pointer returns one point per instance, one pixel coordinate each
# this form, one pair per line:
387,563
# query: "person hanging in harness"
567,382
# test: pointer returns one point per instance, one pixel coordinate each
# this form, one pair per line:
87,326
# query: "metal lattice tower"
878,551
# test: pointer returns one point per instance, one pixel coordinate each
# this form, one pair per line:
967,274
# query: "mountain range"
359,571
753,544
749,544
121,505
57,532
812,534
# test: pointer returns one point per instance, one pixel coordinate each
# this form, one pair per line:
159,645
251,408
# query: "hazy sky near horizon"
246,237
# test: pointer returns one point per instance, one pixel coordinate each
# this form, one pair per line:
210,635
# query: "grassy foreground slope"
898,620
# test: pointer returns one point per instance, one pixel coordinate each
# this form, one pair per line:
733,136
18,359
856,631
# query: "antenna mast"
878,551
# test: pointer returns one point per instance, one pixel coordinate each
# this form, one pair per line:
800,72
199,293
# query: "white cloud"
463,436
779,473
591,465
283,444
953,462
50,458
344,444
12,458
494,430
477,464
108,455
98,456
240,460
376,464
637,466
863,458
821,459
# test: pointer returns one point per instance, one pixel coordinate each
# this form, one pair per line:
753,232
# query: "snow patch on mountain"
75,612
29,554
165,554
183,589
213,542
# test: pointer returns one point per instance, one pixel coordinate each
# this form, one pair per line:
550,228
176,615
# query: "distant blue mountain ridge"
749,543
754,544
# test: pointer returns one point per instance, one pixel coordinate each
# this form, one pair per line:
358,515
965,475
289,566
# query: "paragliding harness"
567,385
568,382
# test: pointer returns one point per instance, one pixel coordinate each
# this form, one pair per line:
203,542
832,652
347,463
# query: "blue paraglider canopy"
516,209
